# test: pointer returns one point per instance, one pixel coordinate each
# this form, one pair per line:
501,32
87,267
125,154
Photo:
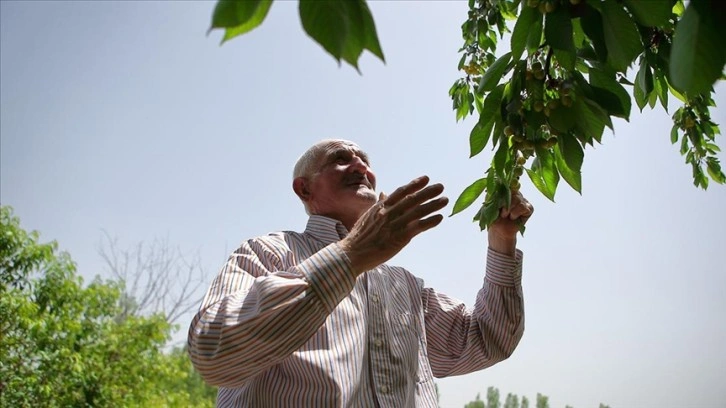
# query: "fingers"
426,224
419,211
406,207
403,191
520,208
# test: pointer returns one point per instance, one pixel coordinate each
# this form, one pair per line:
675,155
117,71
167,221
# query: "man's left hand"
503,232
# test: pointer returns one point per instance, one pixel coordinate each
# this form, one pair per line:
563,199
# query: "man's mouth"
360,182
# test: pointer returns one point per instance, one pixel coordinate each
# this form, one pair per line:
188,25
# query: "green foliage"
535,102
63,344
343,28
511,401
543,401
545,108
477,403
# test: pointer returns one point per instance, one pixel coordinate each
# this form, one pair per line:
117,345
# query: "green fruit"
543,8
575,2
533,3
553,104
549,143
550,6
540,75
536,66
521,160
566,100
508,131
538,106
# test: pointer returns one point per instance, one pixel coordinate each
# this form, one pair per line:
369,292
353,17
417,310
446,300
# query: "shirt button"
374,298
384,389
378,342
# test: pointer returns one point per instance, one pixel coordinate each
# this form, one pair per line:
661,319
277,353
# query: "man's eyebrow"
362,155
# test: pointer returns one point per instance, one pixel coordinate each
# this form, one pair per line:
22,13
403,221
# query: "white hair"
308,164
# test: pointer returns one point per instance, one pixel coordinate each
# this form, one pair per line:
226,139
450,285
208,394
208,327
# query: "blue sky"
126,117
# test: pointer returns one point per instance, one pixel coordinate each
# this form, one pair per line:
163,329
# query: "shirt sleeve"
255,315
461,340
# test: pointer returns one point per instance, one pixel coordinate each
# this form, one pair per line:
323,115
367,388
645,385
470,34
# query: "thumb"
382,196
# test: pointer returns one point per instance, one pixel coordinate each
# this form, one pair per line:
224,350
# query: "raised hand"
503,232
390,224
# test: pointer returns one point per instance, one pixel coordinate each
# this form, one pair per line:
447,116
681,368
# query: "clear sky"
126,117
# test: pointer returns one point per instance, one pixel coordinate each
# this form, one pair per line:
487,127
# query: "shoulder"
402,274
275,241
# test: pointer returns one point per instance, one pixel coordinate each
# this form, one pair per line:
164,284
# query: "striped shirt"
287,324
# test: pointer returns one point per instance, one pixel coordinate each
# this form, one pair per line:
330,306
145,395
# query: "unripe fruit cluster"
544,6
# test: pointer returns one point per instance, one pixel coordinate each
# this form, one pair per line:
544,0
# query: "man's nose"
357,164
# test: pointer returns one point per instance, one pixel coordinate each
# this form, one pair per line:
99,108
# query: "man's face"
344,184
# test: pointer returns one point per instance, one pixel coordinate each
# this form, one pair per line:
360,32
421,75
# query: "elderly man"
317,319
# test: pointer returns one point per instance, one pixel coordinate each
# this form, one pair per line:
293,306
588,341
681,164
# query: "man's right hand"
390,224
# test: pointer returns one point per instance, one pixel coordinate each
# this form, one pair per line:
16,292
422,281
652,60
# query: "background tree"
477,403
512,401
65,344
493,397
542,401
545,106
158,277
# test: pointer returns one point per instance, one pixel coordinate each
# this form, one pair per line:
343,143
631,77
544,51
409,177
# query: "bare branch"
156,277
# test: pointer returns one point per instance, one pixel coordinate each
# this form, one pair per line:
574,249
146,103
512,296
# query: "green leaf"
652,99
239,17
500,159
522,30
492,105
661,89
698,54
562,118
650,13
674,134
643,84
569,157
578,35
592,24
588,121
714,170
558,33
469,195
370,42
677,94
534,39
494,73
621,36
641,99
343,28
544,173
479,137
489,212
601,79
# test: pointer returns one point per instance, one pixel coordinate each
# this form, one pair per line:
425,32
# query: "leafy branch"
545,108
563,81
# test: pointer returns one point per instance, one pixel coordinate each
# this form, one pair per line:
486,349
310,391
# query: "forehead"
337,146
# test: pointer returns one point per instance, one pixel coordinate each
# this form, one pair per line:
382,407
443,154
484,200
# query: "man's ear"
300,186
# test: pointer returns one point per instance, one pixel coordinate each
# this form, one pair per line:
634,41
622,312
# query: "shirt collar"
327,230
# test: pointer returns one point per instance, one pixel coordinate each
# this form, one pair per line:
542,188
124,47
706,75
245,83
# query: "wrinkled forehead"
330,147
